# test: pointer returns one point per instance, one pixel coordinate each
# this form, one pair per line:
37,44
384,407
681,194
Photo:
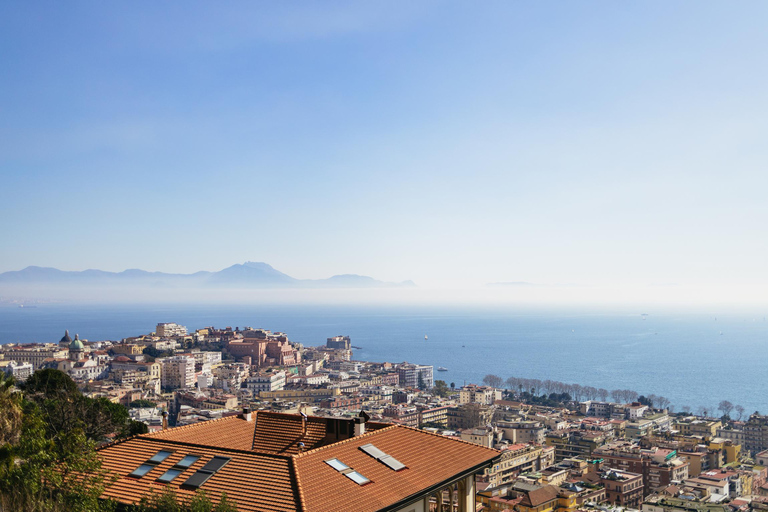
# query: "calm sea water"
681,356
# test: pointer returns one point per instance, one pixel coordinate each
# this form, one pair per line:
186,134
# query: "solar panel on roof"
215,464
357,478
198,479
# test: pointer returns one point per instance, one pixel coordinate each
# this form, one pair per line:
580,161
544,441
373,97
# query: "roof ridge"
450,438
349,439
295,481
214,448
190,426
118,441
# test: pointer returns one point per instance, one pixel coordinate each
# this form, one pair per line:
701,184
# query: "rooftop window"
178,468
357,478
150,464
382,457
203,474
337,464
347,471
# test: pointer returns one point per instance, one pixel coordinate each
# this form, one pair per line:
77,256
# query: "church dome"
76,344
65,339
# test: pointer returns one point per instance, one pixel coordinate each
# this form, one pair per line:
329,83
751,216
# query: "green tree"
50,473
169,501
10,411
440,388
64,409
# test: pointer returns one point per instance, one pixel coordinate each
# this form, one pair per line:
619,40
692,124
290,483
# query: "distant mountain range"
247,275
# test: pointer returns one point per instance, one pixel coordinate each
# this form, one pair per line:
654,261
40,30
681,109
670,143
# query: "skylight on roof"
187,461
159,457
373,451
150,464
382,457
357,478
337,464
392,462
142,470
169,475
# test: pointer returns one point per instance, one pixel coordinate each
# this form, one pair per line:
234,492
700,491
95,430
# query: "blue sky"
451,143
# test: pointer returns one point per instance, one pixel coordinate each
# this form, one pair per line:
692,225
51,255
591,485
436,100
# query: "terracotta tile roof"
429,459
230,432
267,472
539,496
281,433
256,482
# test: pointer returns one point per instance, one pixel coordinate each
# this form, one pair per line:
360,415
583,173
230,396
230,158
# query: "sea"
693,359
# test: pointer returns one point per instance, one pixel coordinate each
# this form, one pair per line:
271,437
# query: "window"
159,457
169,475
382,457
337,464
142,470
187,461
150,464
178,468
357,478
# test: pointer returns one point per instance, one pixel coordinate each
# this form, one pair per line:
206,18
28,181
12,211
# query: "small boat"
442,369
426,337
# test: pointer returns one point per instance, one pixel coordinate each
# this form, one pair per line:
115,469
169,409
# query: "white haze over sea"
695,356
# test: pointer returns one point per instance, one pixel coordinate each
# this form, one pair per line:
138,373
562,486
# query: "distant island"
248,275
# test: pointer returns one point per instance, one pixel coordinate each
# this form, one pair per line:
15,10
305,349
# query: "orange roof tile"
267,472
256,482
430,459
282,433
229,432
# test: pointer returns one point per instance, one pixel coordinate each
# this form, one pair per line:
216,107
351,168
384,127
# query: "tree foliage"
10,411
48,469
441,388
169,501
493,381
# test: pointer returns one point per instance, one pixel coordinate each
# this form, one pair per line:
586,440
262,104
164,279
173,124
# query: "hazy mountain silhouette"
247,275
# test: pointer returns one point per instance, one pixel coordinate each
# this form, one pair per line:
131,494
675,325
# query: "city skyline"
609,147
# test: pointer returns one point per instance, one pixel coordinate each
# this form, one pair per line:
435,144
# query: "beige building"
177,372
169,330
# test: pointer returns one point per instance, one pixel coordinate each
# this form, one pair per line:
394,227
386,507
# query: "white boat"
426,337
442,369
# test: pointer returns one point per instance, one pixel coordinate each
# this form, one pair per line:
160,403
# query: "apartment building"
266,381
415,376
170,329
178,372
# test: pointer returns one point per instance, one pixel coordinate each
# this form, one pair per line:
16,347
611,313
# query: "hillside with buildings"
574,455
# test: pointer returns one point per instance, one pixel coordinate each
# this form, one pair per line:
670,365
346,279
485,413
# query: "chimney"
165,420
360,423
247,413
303,423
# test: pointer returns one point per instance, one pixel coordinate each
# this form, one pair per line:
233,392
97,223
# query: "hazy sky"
592,143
